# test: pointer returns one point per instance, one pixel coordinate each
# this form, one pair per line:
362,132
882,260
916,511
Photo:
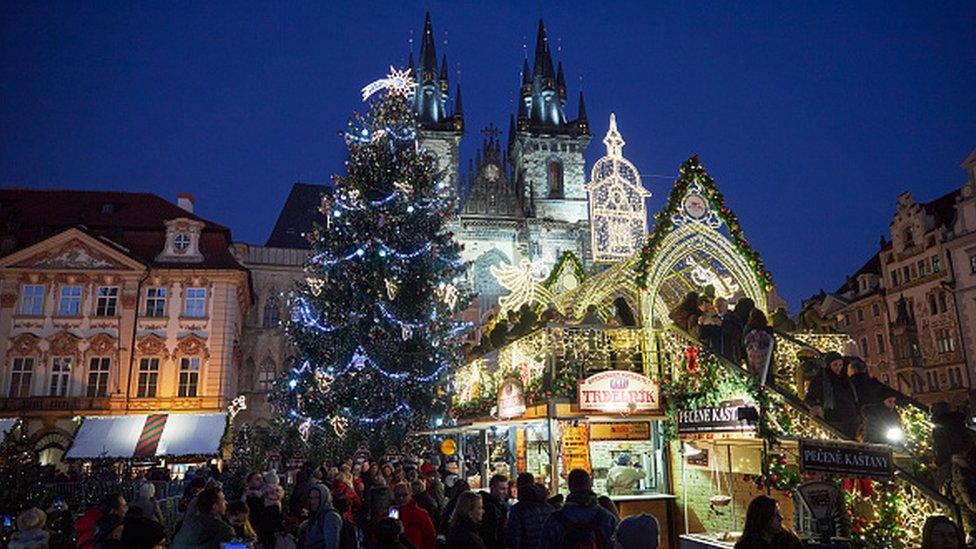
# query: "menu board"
575,448
520,464
637,430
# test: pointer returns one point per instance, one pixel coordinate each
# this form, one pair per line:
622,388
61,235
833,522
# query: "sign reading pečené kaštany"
846,458
619,391
716,419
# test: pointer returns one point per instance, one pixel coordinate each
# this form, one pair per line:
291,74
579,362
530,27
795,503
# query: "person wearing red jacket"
417,526
343,486
112,504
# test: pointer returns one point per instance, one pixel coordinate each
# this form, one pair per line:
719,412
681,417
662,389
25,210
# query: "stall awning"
148,436
6,426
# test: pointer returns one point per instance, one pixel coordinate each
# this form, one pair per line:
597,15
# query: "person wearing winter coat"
685,315
85,527
831,396
417,525
147,502
465,521
324,525
205,529
495,512
30,532
581,516
764,528
528,516
423,499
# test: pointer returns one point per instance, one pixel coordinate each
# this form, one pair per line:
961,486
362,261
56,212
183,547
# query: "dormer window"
182,241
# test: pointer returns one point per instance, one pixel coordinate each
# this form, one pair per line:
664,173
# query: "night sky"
812,117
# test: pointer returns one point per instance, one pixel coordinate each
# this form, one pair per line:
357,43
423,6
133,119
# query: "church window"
555,179
267,374
271,312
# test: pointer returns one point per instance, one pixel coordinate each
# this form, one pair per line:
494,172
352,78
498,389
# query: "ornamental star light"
399,82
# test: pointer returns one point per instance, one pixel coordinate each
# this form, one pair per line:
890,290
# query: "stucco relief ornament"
399,82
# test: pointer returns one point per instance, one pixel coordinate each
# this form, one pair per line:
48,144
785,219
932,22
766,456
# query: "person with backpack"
581,523
528,516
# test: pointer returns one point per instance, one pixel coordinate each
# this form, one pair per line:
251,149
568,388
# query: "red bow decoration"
691,359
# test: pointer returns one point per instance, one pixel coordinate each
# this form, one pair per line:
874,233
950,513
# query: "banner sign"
575,448
511,398
718,419
640,430
846,458
619,391
520,457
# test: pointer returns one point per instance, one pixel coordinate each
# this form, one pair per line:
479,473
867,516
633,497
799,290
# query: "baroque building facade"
910,309
113,303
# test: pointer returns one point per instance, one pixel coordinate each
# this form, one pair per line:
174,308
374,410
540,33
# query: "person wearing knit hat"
30,530
637,532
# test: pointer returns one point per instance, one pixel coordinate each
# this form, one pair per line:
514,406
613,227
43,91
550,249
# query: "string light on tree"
373,317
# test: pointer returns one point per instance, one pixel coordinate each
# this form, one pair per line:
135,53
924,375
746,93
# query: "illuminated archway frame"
690,224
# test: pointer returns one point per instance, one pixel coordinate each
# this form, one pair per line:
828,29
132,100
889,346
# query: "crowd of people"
355,504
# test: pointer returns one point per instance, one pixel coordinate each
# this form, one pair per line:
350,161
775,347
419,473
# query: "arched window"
555,178
272,313
267,374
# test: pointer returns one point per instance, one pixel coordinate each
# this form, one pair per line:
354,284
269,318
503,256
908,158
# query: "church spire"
428,52
543,91
458,107
561,83
431,97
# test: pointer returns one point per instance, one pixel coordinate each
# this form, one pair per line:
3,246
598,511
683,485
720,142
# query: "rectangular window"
955,378
148,377
847,319
20,376
32,300
189,376
933,379
920,265
879,338
906,274
195,302
864,346
933,306
972,264
943,302
156,302
860,315
936,264
70,303
98,369
60,376
894,277
108,300
875,310
944,341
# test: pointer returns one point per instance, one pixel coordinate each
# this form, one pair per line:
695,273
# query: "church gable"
72,249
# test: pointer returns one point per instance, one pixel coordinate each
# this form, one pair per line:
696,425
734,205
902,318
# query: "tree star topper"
400,82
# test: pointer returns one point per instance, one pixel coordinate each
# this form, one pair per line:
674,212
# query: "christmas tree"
373,321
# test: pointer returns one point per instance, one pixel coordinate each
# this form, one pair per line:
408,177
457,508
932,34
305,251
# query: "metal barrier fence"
83,494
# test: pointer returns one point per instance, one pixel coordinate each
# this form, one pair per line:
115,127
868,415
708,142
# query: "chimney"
185,201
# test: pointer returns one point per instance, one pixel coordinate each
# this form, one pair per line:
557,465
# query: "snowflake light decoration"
617,210
236,406
398,82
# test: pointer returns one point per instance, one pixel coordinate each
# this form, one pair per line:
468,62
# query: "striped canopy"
148,436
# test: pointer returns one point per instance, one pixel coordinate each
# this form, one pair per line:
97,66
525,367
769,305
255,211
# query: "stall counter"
708,541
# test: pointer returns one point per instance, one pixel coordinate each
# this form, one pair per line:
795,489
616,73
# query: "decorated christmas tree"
373,321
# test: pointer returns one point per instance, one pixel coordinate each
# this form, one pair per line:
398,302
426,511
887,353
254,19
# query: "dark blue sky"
811,116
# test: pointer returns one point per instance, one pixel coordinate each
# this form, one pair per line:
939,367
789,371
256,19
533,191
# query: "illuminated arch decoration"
602,289
566,275
618,214
687,250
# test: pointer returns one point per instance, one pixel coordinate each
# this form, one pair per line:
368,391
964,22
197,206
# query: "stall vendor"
622,478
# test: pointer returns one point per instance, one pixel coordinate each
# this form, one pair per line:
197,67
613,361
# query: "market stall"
150,438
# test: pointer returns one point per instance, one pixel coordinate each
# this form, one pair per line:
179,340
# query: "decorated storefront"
725,421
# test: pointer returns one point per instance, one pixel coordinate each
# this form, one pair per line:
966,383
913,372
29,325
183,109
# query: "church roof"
542,96
298,215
